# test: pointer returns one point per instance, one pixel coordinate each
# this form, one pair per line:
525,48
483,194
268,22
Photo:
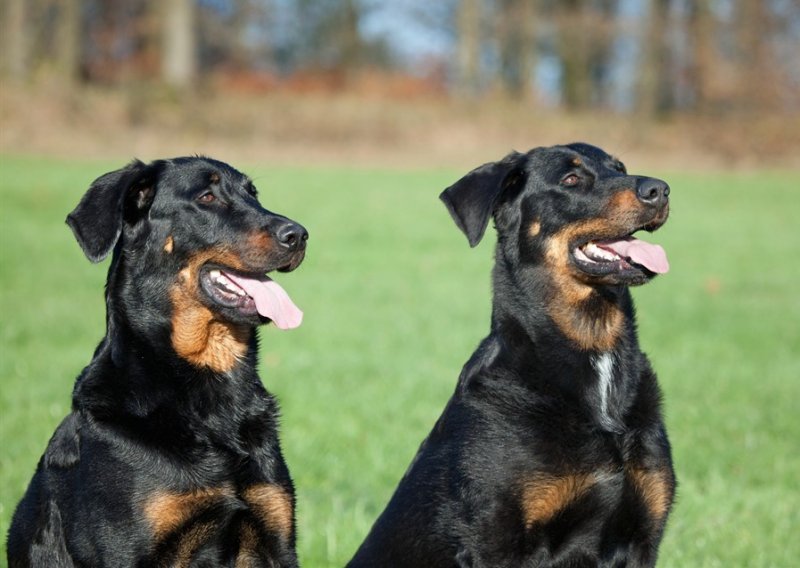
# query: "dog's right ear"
472,199
112,199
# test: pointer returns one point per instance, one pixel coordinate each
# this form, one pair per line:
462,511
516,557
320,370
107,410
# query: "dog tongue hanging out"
271,301
171,455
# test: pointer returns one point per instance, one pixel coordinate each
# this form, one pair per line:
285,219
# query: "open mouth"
626,257
250,295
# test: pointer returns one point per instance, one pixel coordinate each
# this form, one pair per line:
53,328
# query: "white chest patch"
604,367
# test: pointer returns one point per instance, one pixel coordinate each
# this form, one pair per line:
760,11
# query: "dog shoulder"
64,447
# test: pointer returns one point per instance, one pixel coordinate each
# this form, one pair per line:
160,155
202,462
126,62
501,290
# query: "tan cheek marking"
576,162
655,488
543,497
202,340
599,329
567,305
169,245
166,512
273,507
197,335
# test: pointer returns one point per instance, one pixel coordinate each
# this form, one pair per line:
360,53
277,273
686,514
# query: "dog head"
573,208
193,231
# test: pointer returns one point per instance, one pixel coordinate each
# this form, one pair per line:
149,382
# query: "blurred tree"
759,81
516,35
701,65
16,46
585,33
676,55
68,39
655,90
352,49
121,40
178,43
469,47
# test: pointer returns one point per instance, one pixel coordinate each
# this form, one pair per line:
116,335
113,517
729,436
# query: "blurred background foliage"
714,80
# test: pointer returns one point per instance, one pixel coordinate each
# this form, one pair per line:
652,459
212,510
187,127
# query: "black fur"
169,456
534,462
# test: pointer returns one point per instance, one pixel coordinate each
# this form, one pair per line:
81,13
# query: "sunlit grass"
395,301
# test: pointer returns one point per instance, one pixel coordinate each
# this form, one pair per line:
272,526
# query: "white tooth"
230,286
597,252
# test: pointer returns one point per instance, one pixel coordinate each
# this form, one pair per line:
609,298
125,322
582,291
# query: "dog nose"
291,235
652,191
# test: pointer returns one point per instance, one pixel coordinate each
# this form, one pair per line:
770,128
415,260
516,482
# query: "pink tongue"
648,255
271,300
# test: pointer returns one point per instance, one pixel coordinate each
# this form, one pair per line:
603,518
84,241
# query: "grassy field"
395,301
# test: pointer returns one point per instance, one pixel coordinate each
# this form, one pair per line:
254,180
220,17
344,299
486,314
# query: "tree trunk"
68,40
469,44
573,46
16,47
701,66
349,39
655,96
516,39
759,82
179,44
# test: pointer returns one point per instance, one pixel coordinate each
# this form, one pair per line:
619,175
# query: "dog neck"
548,302
584,343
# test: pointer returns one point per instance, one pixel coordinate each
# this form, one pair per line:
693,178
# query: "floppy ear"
472,199
113,198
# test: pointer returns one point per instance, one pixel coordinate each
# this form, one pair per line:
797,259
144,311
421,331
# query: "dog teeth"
595,252
224,282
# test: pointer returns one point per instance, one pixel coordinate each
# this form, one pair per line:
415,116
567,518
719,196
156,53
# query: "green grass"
395,302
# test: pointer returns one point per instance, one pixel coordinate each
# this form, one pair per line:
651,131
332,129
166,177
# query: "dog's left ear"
117,197
472,199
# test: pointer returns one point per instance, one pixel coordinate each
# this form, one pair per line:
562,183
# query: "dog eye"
570,180
207,197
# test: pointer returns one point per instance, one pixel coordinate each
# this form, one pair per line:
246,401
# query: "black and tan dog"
170,456
552,451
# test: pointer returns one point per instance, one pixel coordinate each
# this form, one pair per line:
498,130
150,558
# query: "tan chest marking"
248,547
273,507
655,487
544,496
167,512
189,544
